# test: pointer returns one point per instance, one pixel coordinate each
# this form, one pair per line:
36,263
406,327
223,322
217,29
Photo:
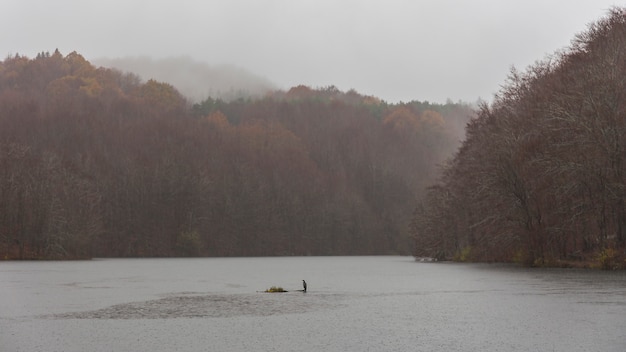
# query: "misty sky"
396,50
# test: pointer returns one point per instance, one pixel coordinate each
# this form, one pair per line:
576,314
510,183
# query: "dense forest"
541,176
96,162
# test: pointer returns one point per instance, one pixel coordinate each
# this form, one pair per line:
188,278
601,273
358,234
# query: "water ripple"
185,305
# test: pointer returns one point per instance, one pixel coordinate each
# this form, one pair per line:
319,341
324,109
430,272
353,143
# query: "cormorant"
304,285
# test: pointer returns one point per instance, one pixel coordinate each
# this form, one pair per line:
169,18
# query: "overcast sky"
396,50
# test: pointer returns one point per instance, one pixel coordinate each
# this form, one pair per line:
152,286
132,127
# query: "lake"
386,303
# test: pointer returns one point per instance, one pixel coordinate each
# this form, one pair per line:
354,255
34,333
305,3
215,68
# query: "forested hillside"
541,177
195,80
94,162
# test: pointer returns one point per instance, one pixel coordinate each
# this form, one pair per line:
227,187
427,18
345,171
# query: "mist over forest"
98,162
136,157
193,79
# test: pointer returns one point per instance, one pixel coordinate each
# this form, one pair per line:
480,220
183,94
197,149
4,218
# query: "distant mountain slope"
195,80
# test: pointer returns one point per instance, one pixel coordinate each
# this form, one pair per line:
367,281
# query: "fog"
396,50
195,80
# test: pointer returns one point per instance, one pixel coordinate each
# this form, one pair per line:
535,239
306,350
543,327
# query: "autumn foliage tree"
95,162
541,175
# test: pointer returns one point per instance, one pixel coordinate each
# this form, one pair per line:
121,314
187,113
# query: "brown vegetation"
541,177
94,162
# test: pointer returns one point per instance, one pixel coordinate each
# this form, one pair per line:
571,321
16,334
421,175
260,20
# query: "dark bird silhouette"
304,285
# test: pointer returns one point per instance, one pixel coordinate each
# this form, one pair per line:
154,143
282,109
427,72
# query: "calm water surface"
353,304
